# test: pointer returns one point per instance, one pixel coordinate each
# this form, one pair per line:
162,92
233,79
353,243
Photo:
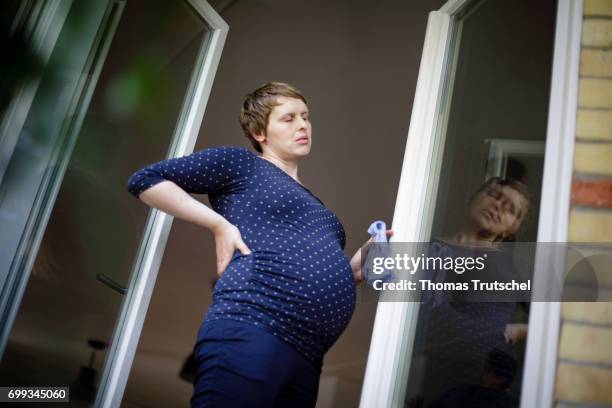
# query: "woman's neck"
288,166
471,235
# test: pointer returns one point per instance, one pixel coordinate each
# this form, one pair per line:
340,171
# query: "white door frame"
394,327
32,195
545,317
500,149
144,273
46,23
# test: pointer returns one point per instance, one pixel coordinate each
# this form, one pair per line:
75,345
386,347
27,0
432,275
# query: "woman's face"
498,210
288,134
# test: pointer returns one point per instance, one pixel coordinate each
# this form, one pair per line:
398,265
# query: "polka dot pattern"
297,282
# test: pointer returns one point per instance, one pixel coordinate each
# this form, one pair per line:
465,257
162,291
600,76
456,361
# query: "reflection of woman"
288,291
495,213
466,344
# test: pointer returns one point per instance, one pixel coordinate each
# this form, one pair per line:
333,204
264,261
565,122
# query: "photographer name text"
474,284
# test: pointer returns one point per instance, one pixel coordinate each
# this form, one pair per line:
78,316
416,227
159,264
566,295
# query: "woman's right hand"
227,240
357,258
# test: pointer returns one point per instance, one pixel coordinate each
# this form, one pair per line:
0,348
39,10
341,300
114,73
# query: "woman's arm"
166,186
170,198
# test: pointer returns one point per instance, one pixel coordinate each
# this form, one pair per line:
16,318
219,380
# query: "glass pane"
471,353
73,297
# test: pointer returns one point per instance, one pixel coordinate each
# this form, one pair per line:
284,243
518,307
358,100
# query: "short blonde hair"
258,104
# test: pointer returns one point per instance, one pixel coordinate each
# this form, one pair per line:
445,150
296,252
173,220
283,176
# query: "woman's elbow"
138,183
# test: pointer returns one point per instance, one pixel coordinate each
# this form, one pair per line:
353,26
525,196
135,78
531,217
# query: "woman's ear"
516,225
259,137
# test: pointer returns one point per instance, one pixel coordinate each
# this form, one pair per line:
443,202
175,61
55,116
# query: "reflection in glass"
83,266
497,91
464,348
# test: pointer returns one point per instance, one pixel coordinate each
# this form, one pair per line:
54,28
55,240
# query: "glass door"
471,352
87,253
473,172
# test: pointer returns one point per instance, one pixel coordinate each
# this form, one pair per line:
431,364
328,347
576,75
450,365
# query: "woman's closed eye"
493,193
509,208
291,118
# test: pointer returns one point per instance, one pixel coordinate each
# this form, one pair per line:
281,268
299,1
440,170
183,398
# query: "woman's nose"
302,123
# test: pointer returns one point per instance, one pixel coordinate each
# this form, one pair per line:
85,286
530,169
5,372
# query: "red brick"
592,193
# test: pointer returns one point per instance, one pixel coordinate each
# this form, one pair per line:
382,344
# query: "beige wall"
584,373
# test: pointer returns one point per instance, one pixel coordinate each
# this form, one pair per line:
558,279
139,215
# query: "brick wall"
584,372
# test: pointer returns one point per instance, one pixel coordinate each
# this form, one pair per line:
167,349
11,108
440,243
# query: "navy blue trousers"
241,365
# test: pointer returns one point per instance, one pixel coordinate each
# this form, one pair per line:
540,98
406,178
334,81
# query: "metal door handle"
111,283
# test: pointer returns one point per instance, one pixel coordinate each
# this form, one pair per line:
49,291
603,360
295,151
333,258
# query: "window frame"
389,362
127,332
16,268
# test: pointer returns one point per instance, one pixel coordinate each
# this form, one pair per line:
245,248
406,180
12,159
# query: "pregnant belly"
307,302
316,294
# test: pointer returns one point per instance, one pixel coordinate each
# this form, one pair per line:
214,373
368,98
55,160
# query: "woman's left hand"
515,332
356,259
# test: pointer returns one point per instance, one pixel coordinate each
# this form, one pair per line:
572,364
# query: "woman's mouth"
489,215
302,140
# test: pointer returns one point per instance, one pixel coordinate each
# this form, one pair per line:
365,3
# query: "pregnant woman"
287,290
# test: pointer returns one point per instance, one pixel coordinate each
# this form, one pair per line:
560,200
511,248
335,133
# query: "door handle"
111,283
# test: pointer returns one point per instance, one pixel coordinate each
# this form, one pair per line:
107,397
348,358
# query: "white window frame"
144,273
501,149
16,268
46,24
394,326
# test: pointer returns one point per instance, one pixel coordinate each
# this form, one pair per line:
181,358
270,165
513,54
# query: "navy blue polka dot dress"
297,283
